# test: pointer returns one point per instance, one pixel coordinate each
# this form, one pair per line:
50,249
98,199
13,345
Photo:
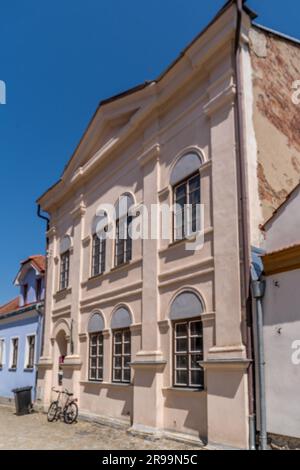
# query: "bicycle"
68,410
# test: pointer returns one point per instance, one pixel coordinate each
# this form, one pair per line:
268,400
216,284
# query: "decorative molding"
175,272
51,233
190,277
79,211
86,241
225,98
164,193
229,364
133,287
149,154
61,295
282,261
137,328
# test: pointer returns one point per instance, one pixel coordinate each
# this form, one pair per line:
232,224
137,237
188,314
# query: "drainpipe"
258,292
43,217
244,213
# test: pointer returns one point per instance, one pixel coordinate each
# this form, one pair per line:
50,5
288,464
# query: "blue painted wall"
20,326
30,279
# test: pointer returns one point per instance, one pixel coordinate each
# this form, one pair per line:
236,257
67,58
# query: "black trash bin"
23,400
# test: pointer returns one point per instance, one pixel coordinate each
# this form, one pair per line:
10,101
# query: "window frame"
25,293
13,366
98,335
38,289
64,275
121,331
101,253
186,224
126,243
2,353
28,366
188,354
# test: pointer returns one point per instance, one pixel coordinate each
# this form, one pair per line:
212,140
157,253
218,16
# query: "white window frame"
2,352
26,356
11,352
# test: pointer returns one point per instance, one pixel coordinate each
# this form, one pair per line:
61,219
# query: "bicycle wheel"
71,413
52,412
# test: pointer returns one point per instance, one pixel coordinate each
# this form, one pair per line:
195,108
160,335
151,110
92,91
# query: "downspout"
43,217
258,292
244,213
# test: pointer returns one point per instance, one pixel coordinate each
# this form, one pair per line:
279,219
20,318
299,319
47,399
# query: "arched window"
65,246
96,352
123,243
185,180
185,314
120,325
99,231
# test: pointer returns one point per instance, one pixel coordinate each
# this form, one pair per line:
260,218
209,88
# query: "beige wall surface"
192,108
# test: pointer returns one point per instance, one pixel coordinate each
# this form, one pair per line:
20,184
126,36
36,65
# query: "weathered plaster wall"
276,66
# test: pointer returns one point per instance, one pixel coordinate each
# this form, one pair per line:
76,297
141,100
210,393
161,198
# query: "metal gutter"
22,310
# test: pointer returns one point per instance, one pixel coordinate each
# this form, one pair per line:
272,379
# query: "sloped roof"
10,307
39,262
288,197
148,83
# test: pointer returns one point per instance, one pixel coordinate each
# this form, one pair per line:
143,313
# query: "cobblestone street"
33,432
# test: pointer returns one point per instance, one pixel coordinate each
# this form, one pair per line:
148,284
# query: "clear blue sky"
59,58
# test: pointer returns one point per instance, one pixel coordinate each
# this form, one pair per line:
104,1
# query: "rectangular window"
30,352
96,357
122,356
187,215
2,346
25,294
188,352
14,353
123,245
99,254
38,289
64,270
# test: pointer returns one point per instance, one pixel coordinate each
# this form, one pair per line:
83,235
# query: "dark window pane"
181,329
181,377
196,328
181,362
195,359
127,361
126,375
197,378
118,375
118,362
182,345
196,344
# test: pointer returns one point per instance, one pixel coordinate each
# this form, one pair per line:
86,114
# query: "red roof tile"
10,307
38,260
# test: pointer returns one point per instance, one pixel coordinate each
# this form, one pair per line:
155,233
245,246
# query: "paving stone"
33,432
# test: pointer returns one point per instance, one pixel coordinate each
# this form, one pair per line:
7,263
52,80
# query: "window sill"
105,384
62,294
175,243
29,369
121,266
97,276
183,389
11,369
